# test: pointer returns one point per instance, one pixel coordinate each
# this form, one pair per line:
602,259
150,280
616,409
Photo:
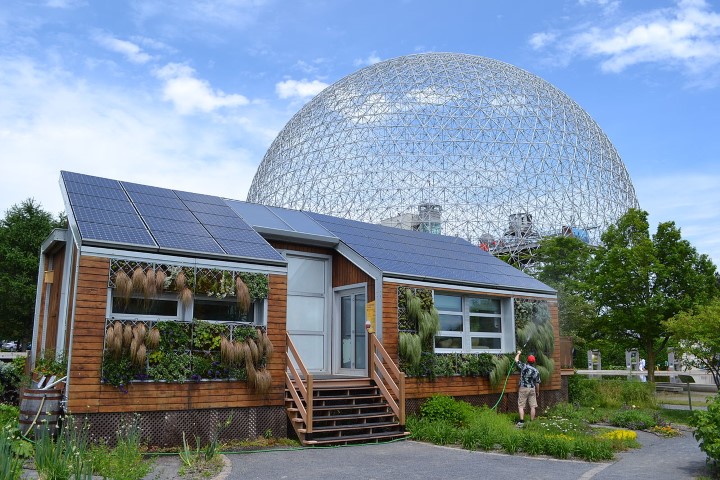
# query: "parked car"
10,346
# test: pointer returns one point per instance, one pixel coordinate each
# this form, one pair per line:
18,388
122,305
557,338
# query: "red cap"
531,358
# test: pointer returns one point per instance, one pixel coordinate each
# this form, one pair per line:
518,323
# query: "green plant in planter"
49,364
257,284
119,372
174,335
206,335
169,366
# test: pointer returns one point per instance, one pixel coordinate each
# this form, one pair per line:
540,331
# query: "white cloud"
52,121
299,88
541,40
371,59
130,50
190,94
686,36
227,13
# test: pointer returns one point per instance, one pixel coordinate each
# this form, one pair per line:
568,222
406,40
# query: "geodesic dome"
465,145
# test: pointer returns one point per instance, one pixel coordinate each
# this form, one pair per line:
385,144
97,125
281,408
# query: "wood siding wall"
50,305
87,394
457,386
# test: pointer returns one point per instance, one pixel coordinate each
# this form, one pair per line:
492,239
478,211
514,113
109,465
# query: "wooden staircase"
344,411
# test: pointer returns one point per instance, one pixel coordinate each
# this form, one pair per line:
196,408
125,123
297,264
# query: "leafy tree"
638,281
561,263
697,334
22,232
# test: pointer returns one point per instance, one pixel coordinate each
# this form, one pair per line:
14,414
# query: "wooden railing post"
386,374
299,390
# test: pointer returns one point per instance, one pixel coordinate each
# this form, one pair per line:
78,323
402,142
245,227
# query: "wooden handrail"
294,383
386,373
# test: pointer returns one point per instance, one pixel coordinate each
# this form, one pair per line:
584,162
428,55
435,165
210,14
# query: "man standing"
529,384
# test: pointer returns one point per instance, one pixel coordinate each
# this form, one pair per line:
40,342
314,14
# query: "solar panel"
406,252
148,190
89,180
222,210
107,217
251,250
199,198
156,224
162,212
300,222
236,234
258,215
180,241
95,190
221,221
111,233
79,200
157,200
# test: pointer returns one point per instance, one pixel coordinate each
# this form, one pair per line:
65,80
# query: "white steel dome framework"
467,145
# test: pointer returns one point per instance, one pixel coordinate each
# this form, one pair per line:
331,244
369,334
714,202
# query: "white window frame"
259,310
507,325
181,312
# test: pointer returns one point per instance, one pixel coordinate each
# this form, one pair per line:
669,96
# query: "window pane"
139,306
448,303
448,342
484,305
208,309
451,323
486,324
305,313
478,343
306,275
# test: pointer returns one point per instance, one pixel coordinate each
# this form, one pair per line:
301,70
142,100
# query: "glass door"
351,336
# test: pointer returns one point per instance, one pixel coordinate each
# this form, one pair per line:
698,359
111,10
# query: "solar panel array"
426,255
133,214
141,215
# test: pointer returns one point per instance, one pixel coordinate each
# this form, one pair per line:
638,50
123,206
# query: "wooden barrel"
47,402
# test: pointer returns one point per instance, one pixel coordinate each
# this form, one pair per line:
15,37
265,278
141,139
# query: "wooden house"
184,311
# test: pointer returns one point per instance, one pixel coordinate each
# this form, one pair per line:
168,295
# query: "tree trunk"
650,361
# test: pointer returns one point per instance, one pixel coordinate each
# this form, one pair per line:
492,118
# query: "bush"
593,449
11,375
633,419
707,429
443,408
591,392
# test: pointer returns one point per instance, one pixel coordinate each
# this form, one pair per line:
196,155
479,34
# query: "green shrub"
511,441
446,409
592,449
592,392
633,419
533,443
707,429
558,446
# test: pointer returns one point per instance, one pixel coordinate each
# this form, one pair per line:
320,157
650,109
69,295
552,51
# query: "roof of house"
131,216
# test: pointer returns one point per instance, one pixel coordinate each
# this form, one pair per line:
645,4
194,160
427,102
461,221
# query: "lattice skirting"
508,403
165,429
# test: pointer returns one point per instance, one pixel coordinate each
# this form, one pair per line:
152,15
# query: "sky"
190,94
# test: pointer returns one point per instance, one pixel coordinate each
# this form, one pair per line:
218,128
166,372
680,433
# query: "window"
227,310
473,324
136,307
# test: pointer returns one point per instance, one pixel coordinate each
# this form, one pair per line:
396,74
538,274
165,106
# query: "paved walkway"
658,459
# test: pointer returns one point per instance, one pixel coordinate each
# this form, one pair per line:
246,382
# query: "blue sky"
189,94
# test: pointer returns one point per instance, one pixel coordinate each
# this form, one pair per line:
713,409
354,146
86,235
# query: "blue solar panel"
251,250
258,215
163,212
405,252
95,190
156,224
111,233
148,190
222,210
192,243
199,198
160,201
248,235
89,180
107,217
78,200
222,221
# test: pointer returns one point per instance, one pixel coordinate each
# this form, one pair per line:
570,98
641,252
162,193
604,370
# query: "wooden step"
341,428
350,439
357,416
